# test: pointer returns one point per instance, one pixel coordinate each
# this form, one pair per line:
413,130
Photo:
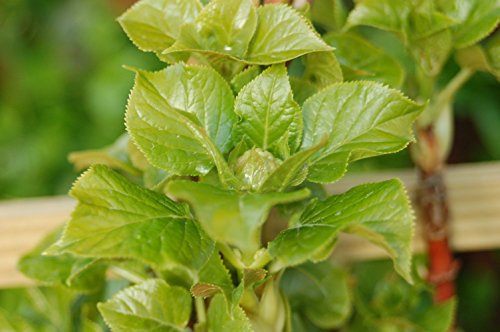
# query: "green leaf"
244,77
154,25
492,50
282,34
220,320
431,52
83,274
476,19
476,58
361,119
319,291
118,219
387,15
272,312
437,318
384,300
268,112
292,172
114,156
302,89
37,309
322,69
361,60
330,14
224,27
378,212
150,306
254,167
182,128
231,217
215,277
426,21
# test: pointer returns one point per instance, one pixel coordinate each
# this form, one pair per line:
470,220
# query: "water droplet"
202,169
228,48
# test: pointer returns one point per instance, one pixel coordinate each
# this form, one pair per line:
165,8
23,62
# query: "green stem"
200,310
445,97
230,255
448,93
128,275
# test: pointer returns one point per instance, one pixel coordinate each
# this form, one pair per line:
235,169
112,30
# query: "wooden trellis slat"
474,191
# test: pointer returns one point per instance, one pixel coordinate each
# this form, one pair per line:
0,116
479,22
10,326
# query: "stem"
127,275
433,207
231,256
445,97
200,310
448,93
432,201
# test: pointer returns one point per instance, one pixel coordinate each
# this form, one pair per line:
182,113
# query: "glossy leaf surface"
268,113
150,306
360,119
118,219
182,127
379,212
154,25
224,27
282,34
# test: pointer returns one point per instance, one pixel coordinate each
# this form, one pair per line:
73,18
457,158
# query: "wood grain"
474,191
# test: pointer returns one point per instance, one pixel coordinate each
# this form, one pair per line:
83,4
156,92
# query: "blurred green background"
63,88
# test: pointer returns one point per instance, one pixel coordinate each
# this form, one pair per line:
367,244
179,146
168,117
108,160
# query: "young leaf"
302,89
431,52
361,119
154,25
182,128
384,300
150,306
282,34
476,19
215,276
268,112
114,156
492,50
292,172
477,58
425,21
361,60
387,15
231,217
244,77
254,167
118,219
83,274
322,69
330,14
320,292
220,320
224,27
379,212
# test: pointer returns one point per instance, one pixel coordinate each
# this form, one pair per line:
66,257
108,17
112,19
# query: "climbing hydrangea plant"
216,141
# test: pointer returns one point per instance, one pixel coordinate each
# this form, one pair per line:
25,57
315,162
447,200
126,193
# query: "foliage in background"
62,88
